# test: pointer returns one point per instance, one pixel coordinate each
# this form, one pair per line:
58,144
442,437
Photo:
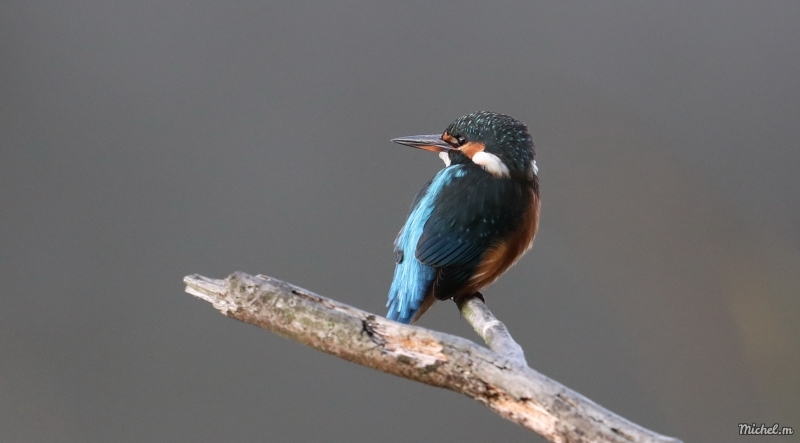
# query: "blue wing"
413,279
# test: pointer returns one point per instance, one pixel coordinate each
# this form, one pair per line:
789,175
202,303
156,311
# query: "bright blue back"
412,279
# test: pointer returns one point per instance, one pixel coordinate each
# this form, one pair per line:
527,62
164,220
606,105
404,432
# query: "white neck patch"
534,170
445,158
491,164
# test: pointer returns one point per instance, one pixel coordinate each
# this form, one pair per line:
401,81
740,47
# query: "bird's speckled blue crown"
503,136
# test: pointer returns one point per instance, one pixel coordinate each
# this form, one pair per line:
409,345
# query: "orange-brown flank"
504,255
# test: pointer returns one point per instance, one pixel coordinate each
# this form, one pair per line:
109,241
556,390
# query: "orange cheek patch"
449,139
472,148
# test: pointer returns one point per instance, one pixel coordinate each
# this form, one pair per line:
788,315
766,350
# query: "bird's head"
498,143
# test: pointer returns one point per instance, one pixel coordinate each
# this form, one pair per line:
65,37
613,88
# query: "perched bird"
473,220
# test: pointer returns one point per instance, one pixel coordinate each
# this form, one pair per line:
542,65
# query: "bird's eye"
461,140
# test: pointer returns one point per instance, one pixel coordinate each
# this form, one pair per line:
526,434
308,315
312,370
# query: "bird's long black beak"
432,142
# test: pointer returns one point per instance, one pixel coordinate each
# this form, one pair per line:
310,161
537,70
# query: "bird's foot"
461,299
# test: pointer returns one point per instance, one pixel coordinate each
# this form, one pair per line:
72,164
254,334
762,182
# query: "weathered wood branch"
503,383
490,329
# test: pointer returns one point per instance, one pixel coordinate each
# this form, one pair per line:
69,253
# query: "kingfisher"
473,220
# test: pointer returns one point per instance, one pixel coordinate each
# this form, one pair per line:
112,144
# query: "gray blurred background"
143,141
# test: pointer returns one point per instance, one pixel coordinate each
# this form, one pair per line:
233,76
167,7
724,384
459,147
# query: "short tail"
410,295
412,314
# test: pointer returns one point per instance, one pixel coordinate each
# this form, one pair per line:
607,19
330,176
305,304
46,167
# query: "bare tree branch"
503,383
490,329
